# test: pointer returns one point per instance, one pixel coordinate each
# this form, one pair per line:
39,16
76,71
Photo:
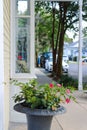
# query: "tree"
64,15
85,32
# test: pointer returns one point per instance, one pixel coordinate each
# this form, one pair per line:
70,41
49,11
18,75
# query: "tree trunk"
53,31
60,53
63,10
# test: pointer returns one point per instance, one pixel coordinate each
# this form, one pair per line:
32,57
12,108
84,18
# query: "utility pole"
80,86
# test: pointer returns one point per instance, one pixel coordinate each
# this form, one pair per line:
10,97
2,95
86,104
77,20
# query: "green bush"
68,81
85,86
75,58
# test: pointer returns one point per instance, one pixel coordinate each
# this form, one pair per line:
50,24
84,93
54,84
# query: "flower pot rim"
39,112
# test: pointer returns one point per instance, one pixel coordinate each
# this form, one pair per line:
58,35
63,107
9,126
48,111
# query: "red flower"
51,85
19,57
67,100
67,91
59,85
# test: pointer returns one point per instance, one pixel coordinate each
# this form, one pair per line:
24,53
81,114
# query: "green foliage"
85,86
68,81
67,39
47,96
85,32
22,22
43,28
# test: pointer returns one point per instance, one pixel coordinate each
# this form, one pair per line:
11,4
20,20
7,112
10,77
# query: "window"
22,38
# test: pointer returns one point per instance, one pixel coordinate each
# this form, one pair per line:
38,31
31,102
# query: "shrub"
68,81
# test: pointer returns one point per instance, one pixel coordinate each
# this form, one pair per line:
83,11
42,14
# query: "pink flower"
59,85
67,91
67,100
51,85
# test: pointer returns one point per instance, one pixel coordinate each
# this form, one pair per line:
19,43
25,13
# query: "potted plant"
41,102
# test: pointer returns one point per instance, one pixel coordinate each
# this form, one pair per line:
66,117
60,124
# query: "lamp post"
80,86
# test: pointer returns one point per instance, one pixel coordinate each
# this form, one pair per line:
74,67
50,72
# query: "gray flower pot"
39,119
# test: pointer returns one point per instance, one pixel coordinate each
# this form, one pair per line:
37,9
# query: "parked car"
65,58
65,66
49,65
84,59
43,57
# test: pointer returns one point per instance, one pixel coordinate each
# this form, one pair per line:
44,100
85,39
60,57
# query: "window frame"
31,74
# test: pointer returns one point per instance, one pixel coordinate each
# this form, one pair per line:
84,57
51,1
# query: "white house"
72,49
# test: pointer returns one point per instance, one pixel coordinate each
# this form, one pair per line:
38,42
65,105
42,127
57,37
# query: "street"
73,70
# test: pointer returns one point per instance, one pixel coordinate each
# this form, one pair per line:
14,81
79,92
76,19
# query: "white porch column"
80,86
1,68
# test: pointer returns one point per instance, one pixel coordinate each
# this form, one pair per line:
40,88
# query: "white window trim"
1,68
32,41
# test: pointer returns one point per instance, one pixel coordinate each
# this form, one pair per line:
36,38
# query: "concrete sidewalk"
76,116
74,119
